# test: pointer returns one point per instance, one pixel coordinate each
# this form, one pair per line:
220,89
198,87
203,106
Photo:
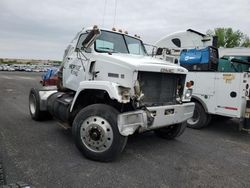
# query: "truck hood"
142,63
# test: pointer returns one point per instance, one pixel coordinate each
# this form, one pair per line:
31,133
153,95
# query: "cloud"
42,29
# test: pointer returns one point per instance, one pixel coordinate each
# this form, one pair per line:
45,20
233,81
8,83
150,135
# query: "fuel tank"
58,105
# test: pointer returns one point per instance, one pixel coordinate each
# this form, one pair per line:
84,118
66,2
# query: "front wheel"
200,118
96,133
171,131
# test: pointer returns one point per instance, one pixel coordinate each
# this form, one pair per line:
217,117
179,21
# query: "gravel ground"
44,155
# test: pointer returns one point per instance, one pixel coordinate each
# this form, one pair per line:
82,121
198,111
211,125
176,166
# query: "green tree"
246,42
229,38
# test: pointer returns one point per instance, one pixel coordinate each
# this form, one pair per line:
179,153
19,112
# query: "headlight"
188,95
125,93
137,88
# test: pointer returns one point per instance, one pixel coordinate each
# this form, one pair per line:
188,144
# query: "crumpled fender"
110,87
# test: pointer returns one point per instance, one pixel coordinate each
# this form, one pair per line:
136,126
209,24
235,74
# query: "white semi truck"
214,93
109,88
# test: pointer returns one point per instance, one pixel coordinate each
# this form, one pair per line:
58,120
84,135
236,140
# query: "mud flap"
246,121
246,124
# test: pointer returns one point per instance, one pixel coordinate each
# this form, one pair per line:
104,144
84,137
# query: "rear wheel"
200,118
34,106
96,133
171,131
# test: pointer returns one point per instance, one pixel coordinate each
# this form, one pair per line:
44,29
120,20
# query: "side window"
81,39
102,45
68,50
134,48
177,42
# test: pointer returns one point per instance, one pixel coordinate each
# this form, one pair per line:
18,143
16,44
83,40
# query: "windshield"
118,43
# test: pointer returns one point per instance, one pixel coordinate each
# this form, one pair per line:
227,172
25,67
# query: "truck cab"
109,88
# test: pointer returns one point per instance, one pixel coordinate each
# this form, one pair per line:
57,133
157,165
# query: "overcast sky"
41,29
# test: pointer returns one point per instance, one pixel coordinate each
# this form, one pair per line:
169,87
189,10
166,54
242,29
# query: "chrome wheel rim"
96,134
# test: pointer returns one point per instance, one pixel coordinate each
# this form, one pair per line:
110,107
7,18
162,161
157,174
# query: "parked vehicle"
11,69
27,69
109,89
50,77
215,93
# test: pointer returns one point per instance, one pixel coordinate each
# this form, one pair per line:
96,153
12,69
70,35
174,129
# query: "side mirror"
176,61
159,51
88,50
90,39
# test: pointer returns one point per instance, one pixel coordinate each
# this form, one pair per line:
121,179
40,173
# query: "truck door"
76,62
228,94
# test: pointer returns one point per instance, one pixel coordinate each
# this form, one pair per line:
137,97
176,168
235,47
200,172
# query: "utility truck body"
217,93
109,88
224,94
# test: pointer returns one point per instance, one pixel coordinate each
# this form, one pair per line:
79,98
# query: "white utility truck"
109,88
214,93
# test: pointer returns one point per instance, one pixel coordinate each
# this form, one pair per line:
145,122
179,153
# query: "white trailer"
214,93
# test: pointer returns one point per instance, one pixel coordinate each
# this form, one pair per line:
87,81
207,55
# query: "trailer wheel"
200,118
34,106
171,131
2,177
96,133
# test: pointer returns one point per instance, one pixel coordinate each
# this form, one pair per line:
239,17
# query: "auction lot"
43,154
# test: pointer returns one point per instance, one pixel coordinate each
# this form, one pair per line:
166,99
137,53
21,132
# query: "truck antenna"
115,13
104,12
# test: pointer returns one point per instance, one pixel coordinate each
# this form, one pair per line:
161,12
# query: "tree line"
229,38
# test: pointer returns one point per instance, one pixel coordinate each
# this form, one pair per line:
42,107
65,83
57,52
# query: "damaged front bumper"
129,122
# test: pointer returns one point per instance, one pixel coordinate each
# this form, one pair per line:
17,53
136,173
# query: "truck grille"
160,88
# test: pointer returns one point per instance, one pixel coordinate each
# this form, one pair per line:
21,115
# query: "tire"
171,131
2,177
96,133
200,118
34,106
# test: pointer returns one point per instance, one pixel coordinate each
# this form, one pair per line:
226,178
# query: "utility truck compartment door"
203,82
231,93
221,93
